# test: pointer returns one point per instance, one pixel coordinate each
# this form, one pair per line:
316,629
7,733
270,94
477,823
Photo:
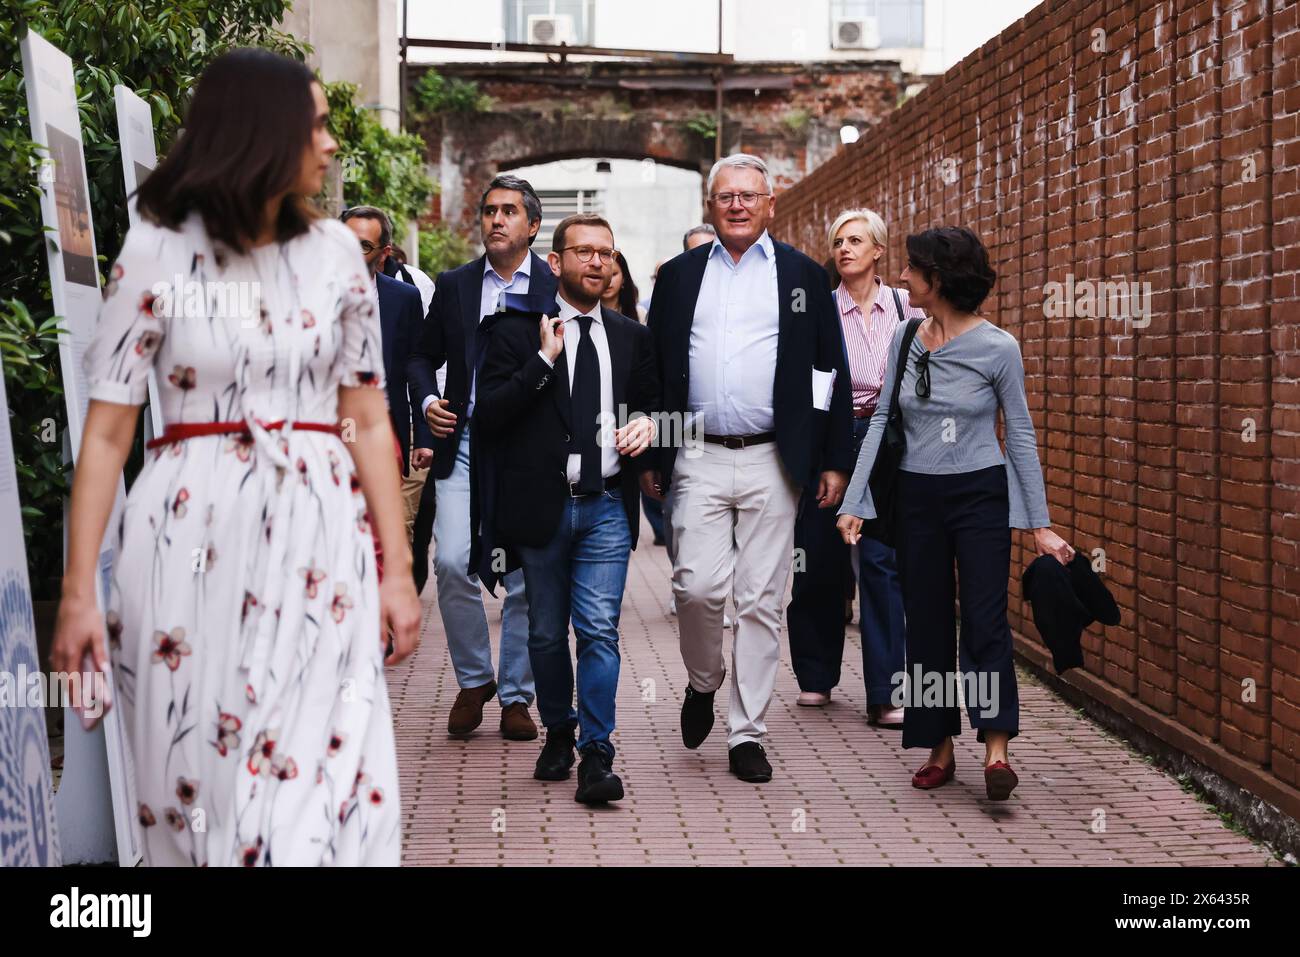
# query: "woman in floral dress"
246,624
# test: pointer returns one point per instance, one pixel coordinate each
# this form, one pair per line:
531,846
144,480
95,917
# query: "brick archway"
789,113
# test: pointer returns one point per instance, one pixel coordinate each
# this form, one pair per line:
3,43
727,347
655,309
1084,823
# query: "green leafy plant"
380,167
29,350
704,125
796,120
442,248
435,93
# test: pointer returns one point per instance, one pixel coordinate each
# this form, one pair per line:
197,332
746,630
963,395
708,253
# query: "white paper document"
822,385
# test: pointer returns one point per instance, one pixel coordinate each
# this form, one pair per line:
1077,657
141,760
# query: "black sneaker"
697,716
597,783
557,754
749,762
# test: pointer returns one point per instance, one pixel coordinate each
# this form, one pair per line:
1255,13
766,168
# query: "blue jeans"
460,598
580,575
881,617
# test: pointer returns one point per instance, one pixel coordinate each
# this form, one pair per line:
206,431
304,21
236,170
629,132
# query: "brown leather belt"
864,412
740,441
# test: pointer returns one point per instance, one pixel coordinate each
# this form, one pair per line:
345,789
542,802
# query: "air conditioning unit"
855,33
550,30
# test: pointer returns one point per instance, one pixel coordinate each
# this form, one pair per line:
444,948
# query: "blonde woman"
869,312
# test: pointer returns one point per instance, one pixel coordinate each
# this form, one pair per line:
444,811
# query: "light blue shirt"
733,341
493,287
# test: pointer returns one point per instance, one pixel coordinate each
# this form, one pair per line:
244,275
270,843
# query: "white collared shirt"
733,341
490,294
572,336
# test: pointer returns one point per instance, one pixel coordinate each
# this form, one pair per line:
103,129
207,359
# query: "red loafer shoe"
933,776
1000,780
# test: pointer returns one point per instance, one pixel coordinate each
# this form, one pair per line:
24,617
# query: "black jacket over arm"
400,325
522,426
809,440
452,322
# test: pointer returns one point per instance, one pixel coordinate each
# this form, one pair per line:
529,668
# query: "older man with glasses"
750,355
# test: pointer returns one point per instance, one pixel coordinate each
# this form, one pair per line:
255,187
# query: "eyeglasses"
584,253
367,246
923,375
748,199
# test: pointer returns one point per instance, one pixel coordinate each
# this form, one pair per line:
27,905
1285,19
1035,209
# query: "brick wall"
1155,143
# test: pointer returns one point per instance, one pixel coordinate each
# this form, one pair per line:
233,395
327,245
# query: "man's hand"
830,490
635,437
441,421
421,458
552,332
651,485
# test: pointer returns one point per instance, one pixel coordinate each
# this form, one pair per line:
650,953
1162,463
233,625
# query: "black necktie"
585,399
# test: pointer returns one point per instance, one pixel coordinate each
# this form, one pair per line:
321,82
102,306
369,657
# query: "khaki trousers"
733,516
412,488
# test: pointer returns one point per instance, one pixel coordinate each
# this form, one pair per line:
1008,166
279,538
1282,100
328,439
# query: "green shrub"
380,167
435,93
443,248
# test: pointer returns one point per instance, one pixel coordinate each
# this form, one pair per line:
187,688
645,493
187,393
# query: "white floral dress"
243,613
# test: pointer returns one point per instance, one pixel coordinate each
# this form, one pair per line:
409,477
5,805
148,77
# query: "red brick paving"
475,801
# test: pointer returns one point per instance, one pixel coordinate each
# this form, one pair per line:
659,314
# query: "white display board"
96,800
139,157
28,836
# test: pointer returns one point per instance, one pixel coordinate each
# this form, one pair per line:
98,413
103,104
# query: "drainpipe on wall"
717,95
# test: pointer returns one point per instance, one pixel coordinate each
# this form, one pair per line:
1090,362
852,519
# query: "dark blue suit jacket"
522,420
809,440
453,324
400,321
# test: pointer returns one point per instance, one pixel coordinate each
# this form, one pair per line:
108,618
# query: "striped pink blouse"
867,343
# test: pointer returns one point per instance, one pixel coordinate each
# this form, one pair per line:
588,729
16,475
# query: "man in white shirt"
750,352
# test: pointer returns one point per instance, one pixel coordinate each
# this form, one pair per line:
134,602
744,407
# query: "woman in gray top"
957,500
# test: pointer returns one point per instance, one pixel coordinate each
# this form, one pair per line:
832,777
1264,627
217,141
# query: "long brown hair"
627,293
245,133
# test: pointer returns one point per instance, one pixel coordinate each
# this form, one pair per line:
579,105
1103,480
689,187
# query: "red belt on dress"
180,431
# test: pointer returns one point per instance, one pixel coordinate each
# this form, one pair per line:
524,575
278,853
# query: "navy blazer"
809,440
453,321
400,322
522,421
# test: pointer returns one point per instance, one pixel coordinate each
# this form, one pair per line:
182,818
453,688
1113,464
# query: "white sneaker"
727,622
672,605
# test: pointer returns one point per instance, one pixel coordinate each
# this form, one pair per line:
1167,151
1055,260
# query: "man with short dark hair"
509,216
560,485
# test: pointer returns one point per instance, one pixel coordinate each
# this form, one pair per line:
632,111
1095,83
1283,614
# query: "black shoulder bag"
884,471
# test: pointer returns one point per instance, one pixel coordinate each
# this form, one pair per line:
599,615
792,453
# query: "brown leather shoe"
467,711
516,724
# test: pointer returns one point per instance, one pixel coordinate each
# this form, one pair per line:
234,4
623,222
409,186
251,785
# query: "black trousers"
823,580
961,518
